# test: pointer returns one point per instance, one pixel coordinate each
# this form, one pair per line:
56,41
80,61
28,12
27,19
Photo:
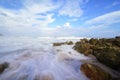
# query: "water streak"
38,60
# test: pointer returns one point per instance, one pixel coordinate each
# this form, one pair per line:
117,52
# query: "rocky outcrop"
63,43
3,66
108,56
107,51
93,72
84,48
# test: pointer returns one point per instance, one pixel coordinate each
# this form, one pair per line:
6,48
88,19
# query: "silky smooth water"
37,59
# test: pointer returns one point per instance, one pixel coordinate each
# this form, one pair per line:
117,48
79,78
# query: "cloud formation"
35,16
106,19
27,19
72,8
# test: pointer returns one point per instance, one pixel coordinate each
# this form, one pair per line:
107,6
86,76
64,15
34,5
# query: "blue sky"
60,18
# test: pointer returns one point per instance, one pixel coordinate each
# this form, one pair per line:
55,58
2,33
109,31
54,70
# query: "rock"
93,72
117,37
84,40
107,51
3,66
58,44
84,48
117,41
63,43
108,56
93,41
69,43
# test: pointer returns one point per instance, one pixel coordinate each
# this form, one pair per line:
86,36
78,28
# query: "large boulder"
93,72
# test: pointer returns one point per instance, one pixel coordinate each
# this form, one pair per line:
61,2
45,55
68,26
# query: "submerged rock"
93,72
3,66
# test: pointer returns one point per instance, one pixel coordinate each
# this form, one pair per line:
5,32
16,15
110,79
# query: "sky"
60,18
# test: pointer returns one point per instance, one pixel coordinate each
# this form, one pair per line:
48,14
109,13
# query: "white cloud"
23,18
67,25
28,19
106,19
72,8
101,26
40,6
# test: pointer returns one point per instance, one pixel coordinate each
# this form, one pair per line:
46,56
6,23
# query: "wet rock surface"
107,51
93,72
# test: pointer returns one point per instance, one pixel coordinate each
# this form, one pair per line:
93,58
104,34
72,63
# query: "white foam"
39,60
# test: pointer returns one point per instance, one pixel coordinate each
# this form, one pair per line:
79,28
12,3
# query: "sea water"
38,59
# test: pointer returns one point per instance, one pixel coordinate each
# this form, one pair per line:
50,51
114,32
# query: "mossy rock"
93,72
